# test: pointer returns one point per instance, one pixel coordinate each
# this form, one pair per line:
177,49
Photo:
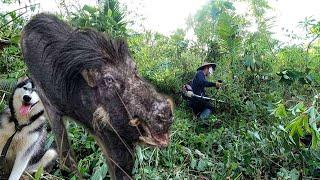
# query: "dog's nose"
26,98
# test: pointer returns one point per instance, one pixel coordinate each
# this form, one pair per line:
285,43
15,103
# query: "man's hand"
218,84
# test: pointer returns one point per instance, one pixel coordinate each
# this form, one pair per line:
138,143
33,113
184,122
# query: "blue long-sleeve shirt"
199,82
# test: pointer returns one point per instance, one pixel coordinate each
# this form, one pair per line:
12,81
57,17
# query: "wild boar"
84,75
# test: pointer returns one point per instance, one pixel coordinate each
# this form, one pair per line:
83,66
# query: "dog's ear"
89,76
21,79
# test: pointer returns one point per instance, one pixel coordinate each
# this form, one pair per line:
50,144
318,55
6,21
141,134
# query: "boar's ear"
88,75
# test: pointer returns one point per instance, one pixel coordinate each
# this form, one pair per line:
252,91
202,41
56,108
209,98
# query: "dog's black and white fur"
25,116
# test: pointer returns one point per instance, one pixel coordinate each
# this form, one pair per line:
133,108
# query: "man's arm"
203,80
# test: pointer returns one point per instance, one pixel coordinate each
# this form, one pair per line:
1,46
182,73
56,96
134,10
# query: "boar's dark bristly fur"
85,49
81,74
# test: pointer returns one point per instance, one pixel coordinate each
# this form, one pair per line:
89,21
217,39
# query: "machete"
191,94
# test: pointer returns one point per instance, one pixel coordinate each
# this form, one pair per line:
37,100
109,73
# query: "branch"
37,4
309,45
13,20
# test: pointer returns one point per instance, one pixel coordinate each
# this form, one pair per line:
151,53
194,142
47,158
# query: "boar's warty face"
132,104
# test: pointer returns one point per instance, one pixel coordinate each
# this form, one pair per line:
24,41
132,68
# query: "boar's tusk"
148,140
134,122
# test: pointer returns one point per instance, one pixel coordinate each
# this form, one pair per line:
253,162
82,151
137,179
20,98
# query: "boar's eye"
108,79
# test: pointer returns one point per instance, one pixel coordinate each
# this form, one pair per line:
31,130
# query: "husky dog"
23,133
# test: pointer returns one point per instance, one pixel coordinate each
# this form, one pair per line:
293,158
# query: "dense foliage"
267,126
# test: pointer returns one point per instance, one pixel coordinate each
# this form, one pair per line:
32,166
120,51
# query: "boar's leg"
59,131
118,155
61,137
119,159
122,159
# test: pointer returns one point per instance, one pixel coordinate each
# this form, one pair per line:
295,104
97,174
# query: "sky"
288,14
165,16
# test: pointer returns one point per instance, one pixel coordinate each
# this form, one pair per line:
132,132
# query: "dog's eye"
25,88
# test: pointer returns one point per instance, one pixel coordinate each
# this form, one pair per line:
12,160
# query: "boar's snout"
161,120
148,110
157,123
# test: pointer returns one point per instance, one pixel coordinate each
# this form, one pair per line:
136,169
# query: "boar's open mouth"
149,136
156,139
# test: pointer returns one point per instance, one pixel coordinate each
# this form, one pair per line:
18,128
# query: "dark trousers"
202,108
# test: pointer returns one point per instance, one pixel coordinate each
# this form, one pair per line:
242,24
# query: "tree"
107,17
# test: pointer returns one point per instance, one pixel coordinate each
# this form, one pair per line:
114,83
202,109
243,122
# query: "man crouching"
200,106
